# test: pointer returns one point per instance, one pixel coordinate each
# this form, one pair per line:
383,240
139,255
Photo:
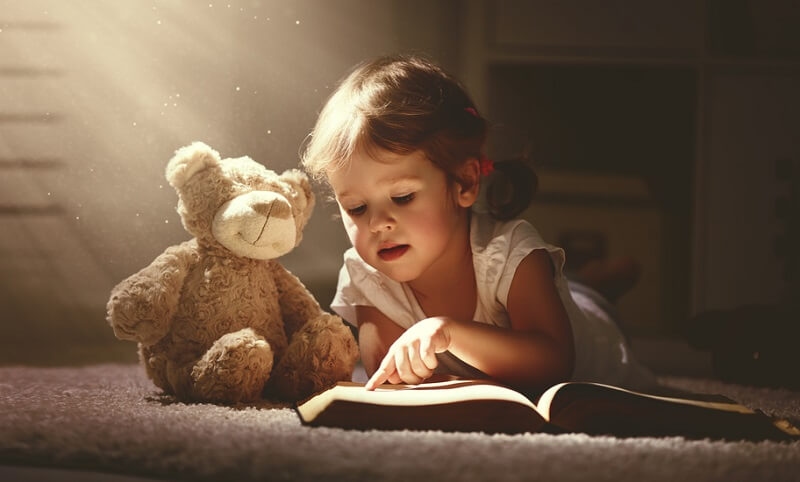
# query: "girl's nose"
381,221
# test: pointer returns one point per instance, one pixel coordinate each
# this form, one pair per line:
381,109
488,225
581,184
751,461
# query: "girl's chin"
395,274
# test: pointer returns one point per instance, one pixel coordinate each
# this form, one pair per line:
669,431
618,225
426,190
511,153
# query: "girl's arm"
534,353
376,333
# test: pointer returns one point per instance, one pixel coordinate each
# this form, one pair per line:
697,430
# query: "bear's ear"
302,186
188,161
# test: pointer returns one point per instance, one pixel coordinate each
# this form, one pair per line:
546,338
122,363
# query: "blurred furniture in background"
695,101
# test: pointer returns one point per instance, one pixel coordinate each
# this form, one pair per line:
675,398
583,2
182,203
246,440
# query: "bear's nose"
273,209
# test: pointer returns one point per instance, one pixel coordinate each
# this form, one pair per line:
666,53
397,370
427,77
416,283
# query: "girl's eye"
356,211
403,199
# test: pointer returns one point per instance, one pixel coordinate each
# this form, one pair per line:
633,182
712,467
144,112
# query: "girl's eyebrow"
384,182
400,179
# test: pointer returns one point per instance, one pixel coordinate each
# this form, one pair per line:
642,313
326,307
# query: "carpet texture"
111,419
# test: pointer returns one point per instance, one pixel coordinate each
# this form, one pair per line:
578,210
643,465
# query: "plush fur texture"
218,318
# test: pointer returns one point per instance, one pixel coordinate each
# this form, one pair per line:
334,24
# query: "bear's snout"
273,209
257,225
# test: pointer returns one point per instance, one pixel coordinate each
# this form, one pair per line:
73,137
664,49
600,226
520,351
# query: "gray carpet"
109,419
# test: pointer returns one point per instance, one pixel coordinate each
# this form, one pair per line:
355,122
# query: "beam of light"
96,95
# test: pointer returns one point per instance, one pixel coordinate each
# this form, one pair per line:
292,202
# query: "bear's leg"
156,366
234,369
320,354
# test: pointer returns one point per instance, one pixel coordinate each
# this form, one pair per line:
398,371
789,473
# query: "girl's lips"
393,252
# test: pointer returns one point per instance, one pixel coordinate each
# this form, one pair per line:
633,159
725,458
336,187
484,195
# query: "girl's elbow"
557,367
567,360
568,367
562,363
560,371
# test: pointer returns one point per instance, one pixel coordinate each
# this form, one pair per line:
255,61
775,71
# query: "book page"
433,393
484,406
545,402
606,410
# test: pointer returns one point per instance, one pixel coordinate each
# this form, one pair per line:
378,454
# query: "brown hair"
400,104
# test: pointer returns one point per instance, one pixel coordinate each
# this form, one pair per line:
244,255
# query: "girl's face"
400,213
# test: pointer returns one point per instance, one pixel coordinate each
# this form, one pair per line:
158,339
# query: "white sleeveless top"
601,353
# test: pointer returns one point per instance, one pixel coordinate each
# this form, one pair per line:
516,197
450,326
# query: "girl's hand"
412,357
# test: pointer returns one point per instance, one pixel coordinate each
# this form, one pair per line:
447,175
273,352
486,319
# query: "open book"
484,406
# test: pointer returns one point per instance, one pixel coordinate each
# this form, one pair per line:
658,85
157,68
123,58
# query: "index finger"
382,374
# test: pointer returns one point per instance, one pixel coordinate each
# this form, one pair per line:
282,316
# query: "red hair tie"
487,166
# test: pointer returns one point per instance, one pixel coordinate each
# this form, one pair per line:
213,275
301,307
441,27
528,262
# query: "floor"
663,356
33,474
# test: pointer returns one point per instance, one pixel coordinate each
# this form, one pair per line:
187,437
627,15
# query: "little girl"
433,284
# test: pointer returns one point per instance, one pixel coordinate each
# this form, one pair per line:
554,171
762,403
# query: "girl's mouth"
392,253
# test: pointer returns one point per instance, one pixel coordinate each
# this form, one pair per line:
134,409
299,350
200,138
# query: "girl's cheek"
347,221
352,230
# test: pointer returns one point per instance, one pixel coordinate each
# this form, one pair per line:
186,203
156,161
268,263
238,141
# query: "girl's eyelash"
407,198
356,210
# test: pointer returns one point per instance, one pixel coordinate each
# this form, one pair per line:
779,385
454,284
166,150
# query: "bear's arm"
298,305
142,306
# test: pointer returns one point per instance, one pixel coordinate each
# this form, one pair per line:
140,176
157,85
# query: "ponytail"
510,188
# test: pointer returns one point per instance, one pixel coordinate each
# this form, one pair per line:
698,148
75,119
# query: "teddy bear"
218,318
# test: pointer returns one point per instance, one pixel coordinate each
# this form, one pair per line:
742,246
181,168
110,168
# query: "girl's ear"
469,182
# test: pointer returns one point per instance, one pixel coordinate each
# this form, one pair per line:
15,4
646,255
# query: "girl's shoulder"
491,236
498,247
